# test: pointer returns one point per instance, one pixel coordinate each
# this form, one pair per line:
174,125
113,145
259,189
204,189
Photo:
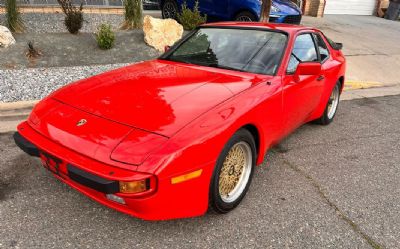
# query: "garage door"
350,7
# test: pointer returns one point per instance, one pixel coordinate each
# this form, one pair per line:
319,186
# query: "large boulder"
6,38
159,33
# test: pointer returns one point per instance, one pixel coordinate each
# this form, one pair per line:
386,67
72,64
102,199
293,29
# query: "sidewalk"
371,45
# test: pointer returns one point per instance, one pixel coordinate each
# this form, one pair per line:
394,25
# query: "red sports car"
170,137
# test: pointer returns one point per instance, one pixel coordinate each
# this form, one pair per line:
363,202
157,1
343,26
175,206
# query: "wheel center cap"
231,170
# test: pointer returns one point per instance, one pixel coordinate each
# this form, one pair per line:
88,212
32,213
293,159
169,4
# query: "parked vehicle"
168,138
282,11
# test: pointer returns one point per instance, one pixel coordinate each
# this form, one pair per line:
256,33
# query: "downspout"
323,9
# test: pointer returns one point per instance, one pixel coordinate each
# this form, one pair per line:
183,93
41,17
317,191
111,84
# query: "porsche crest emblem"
81,122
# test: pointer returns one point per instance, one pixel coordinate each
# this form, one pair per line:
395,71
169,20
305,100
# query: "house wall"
314,8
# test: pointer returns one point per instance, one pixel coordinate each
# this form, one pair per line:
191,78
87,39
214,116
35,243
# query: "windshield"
255,51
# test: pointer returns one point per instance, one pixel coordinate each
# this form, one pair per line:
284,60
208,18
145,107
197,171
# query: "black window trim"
318,51
315,47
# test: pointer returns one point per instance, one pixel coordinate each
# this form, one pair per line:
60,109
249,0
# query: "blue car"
282,11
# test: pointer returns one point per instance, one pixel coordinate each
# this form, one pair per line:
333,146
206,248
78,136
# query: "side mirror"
166,48
307,68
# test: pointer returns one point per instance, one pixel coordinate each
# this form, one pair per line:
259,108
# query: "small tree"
105,36
133,14
74,16
265,10
13,17
190,19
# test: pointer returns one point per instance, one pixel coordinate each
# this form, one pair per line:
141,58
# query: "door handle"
321,77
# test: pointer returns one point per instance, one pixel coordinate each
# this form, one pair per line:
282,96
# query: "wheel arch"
255,132
237,12
163,1
341,80
324,99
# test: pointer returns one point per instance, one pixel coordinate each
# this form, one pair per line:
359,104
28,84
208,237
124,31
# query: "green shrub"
190,19
133,14
13,17
105,36
74,16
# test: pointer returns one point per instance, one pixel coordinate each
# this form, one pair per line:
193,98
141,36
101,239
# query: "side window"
323,49
303,51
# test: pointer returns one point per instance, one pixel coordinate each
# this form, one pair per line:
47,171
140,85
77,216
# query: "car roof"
288,28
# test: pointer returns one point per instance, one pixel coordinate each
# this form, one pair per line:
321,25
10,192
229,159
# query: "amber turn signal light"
134,186
186,177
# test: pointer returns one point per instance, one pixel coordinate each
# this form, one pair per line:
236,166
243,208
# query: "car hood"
157,96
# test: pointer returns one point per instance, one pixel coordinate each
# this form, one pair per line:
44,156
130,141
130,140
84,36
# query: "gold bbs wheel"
235,172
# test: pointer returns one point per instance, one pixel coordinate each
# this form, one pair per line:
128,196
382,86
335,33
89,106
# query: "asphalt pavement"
336,186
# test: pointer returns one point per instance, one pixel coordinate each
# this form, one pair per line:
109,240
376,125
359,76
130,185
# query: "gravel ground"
36,83
62,59
54,23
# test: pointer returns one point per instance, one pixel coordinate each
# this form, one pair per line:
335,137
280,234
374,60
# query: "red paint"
164,119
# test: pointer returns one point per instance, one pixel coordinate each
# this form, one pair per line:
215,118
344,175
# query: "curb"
372,92
14,106
354,85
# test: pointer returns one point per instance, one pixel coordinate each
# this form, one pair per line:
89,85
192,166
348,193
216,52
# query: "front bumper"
75,174
289,19
96,180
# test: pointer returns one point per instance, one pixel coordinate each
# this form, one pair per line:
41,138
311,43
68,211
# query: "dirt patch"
64,49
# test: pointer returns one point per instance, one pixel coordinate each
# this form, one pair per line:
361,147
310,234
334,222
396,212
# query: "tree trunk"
265,10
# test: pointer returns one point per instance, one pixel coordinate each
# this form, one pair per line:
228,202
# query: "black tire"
168,7
215,200
326,119
246,15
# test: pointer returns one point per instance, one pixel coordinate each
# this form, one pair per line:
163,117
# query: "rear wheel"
169,9
245,16
233,172
331,106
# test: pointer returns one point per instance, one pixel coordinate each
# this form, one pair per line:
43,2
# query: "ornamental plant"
133,14
105,36
13,17
73,15
190,19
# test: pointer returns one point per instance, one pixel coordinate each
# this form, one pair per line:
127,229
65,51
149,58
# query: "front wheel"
331,106
169,9
233,172
246,16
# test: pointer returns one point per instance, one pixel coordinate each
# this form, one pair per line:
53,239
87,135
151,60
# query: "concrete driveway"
371,45
336,186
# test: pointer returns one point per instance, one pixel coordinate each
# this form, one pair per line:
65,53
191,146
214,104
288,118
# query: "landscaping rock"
159,33
6,38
